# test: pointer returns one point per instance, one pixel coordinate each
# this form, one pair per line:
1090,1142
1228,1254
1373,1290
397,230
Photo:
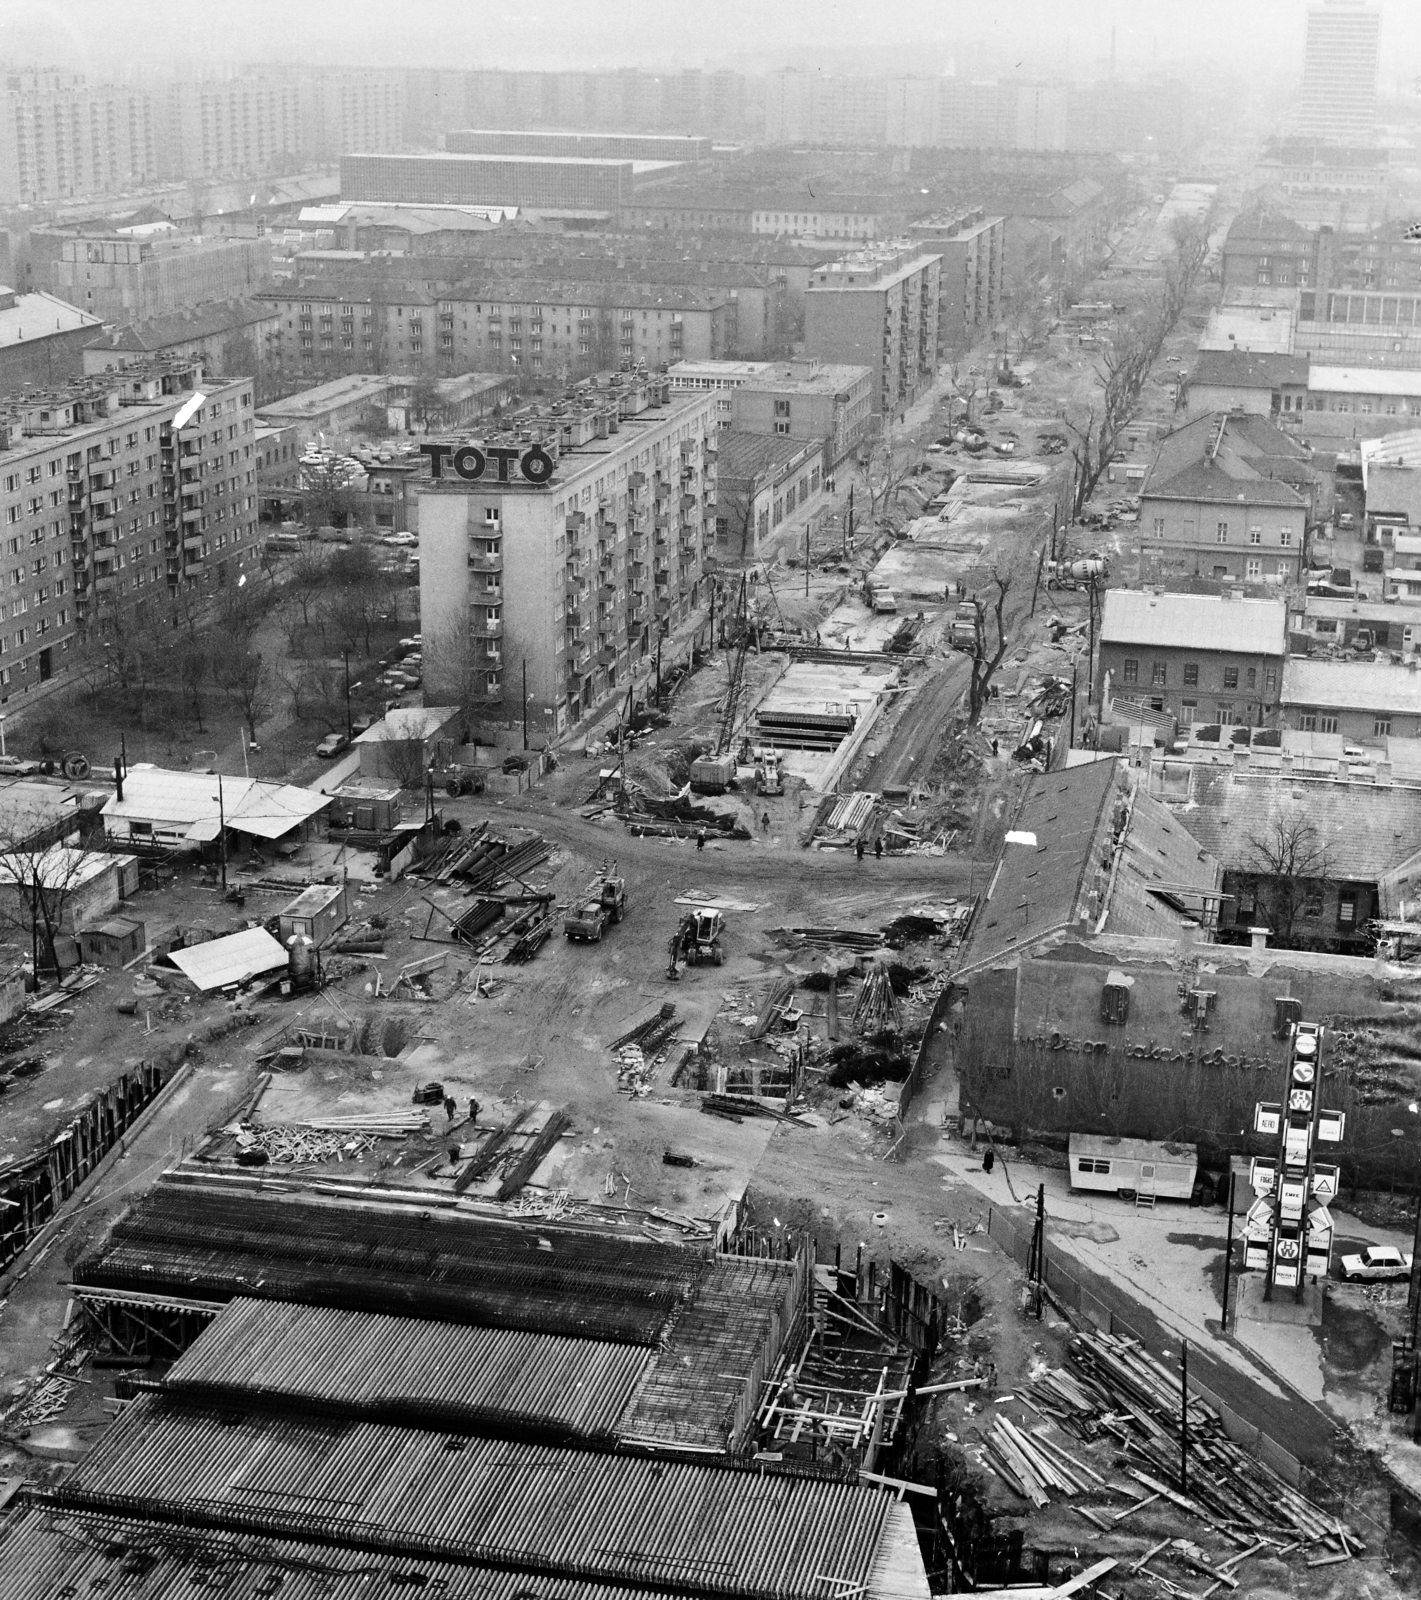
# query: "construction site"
567,1188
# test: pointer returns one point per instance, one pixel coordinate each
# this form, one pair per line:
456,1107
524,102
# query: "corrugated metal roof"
234,959
364,1365
709,1530
1364,380
248,805
1194,622
49,1553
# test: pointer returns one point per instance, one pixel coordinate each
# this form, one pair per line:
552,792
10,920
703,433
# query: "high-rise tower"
1339,96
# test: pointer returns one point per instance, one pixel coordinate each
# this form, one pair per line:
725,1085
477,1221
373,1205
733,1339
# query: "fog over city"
710,799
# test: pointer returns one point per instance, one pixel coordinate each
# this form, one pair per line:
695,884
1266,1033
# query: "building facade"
512,326
595,146
763,483
878,310
1361,700
62,138
42,340
571,183
1226,498
1196,658
230,338
108,509
973,251
1241,380
125,278
1339,94
573,578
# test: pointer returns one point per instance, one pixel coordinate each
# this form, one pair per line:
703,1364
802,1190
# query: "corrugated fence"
1073,1294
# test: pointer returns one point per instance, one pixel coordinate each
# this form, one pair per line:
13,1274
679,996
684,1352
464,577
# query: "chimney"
1240,758
1258,938
118,778
1287,762
1383,771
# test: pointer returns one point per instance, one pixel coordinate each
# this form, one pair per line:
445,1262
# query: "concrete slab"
1282,1308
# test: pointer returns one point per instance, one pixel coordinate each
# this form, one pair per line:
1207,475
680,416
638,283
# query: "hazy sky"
1262,37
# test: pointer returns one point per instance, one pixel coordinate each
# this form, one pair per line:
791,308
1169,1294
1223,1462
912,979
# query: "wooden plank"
900,1484
1083,1580
485,1158
528,1160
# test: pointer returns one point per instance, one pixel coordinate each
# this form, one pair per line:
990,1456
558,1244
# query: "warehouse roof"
537,1508
1194,622
408,1369
1248,369
48,1552
220,962
194,800
1364,380
1352,686
44,315
753,455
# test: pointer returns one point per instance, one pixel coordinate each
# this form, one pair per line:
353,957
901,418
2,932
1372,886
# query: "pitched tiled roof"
1247,463
1198,621
1248,369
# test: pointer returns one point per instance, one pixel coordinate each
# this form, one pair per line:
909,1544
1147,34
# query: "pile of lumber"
378,1124
876,1008
843,938
651,1031
1116,1391
290,1145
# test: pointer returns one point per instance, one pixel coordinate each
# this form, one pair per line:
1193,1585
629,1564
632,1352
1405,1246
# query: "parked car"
332,744
364,722
17,767
1376,1261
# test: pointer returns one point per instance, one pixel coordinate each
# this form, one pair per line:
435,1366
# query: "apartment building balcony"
689,502
489,564
574,520
482,628
192,545
76,494
105,583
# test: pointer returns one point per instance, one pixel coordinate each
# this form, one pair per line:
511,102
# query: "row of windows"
1159,675
1222,532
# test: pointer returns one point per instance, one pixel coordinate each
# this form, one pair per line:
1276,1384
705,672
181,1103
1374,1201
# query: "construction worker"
858,849
474,1109
765,822
700,838
451,1105
878,849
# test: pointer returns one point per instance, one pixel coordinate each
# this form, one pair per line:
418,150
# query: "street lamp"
221,828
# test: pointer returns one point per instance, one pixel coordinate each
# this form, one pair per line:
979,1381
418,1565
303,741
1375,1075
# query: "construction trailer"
1133,1167
317,913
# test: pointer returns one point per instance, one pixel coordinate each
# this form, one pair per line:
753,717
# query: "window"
1347,908
1188,710
1253,568
1130,671
1255,535
1307,721
781,408
1090,1164
1326,724
1381,727
1157,675
1285,537
1159,527
1230,677
1223,533
782,427
1191,674
1252,677
1226,714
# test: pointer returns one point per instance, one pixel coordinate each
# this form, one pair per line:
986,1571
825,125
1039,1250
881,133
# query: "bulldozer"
697,939
768,777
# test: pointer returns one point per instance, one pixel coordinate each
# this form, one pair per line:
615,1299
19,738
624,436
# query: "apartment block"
830,405
878,309
1339,92
62,138
574,556
509,326
106,507
973,251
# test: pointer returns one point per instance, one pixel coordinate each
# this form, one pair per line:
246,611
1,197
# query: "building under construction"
354,1392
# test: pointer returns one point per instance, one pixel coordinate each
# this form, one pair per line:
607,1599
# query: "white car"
1376,1261
17,767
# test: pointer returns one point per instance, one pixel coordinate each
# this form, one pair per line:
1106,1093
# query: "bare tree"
329,499
307,578
317,691
885,464
245,680
39,876
735,518
987,653
452,671
1290,864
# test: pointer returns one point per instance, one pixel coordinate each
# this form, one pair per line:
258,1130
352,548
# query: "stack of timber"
1117,1392
530,933
876,1008
843,938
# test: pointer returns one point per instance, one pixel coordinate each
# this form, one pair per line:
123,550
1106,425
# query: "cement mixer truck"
1077,574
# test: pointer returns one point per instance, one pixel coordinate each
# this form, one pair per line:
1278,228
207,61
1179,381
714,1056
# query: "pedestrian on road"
765,822
989,1160
474,1109
878,849
858,849
700,839
451,1105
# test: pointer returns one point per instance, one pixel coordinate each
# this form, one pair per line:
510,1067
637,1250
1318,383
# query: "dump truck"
877,595
606,905
966,626
697,939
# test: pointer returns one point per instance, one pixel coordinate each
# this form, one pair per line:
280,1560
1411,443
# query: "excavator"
696,939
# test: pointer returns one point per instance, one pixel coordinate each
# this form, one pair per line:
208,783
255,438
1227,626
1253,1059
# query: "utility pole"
349,727
806,560
525,704
658,672
1036,1261
222,829
1228,1249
